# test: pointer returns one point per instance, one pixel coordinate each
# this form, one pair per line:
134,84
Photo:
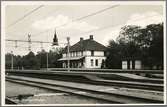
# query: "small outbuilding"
131,63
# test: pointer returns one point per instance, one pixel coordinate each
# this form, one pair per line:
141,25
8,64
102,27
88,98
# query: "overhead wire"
109,26
102,28
23,47
95,13
49,13
24,16
105,27
80,18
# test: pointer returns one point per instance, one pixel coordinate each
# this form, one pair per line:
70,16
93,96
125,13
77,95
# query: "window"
73,54
91,61
96,62
81,53
105,53
76,53
92,53
103,61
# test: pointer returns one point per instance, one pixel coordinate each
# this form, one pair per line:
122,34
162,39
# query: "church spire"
55,39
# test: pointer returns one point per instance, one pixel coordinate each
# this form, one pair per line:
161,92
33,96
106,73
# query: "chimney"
81,39
91,37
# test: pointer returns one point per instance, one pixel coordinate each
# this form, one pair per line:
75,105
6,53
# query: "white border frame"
5,3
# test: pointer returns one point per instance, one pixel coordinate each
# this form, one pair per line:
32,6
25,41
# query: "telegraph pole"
41,45
11,60
15,43
29,42
68,53
47,60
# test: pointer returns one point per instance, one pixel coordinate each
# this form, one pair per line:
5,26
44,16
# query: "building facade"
132,64
85,54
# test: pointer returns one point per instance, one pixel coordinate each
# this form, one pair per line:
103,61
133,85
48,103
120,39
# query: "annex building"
85,54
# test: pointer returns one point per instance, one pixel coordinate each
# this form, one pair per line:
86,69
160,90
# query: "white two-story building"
85,54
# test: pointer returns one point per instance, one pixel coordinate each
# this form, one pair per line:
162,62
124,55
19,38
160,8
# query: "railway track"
147,84
129,84
9,101
111,96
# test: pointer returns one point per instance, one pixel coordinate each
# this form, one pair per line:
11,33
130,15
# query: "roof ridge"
87,44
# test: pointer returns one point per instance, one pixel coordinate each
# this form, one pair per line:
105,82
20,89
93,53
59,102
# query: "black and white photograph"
83,53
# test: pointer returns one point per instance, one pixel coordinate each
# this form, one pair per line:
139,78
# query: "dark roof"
88,44
131,58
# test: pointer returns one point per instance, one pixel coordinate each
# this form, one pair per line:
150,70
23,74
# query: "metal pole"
29,42
12,60
47,60
68,53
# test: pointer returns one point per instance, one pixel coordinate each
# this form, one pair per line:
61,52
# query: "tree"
128,33
42,58
136,42
30,61
113,55
18,62
151,40
8,60
54,55
129,46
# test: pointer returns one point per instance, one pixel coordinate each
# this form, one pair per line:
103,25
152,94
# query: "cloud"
50,22
145,19
136,19
112,35
53,22
82,26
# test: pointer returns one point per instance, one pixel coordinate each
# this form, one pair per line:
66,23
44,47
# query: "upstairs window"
105,54
96,62
73,53
76,53
91,61
92,53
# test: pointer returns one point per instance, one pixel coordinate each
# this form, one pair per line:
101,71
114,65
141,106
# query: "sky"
62,18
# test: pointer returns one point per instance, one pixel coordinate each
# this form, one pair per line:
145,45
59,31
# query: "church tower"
55,39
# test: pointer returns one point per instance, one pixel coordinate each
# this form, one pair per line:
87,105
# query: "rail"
9,101
92,70
116,96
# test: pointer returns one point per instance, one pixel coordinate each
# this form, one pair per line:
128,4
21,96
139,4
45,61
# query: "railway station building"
85,54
